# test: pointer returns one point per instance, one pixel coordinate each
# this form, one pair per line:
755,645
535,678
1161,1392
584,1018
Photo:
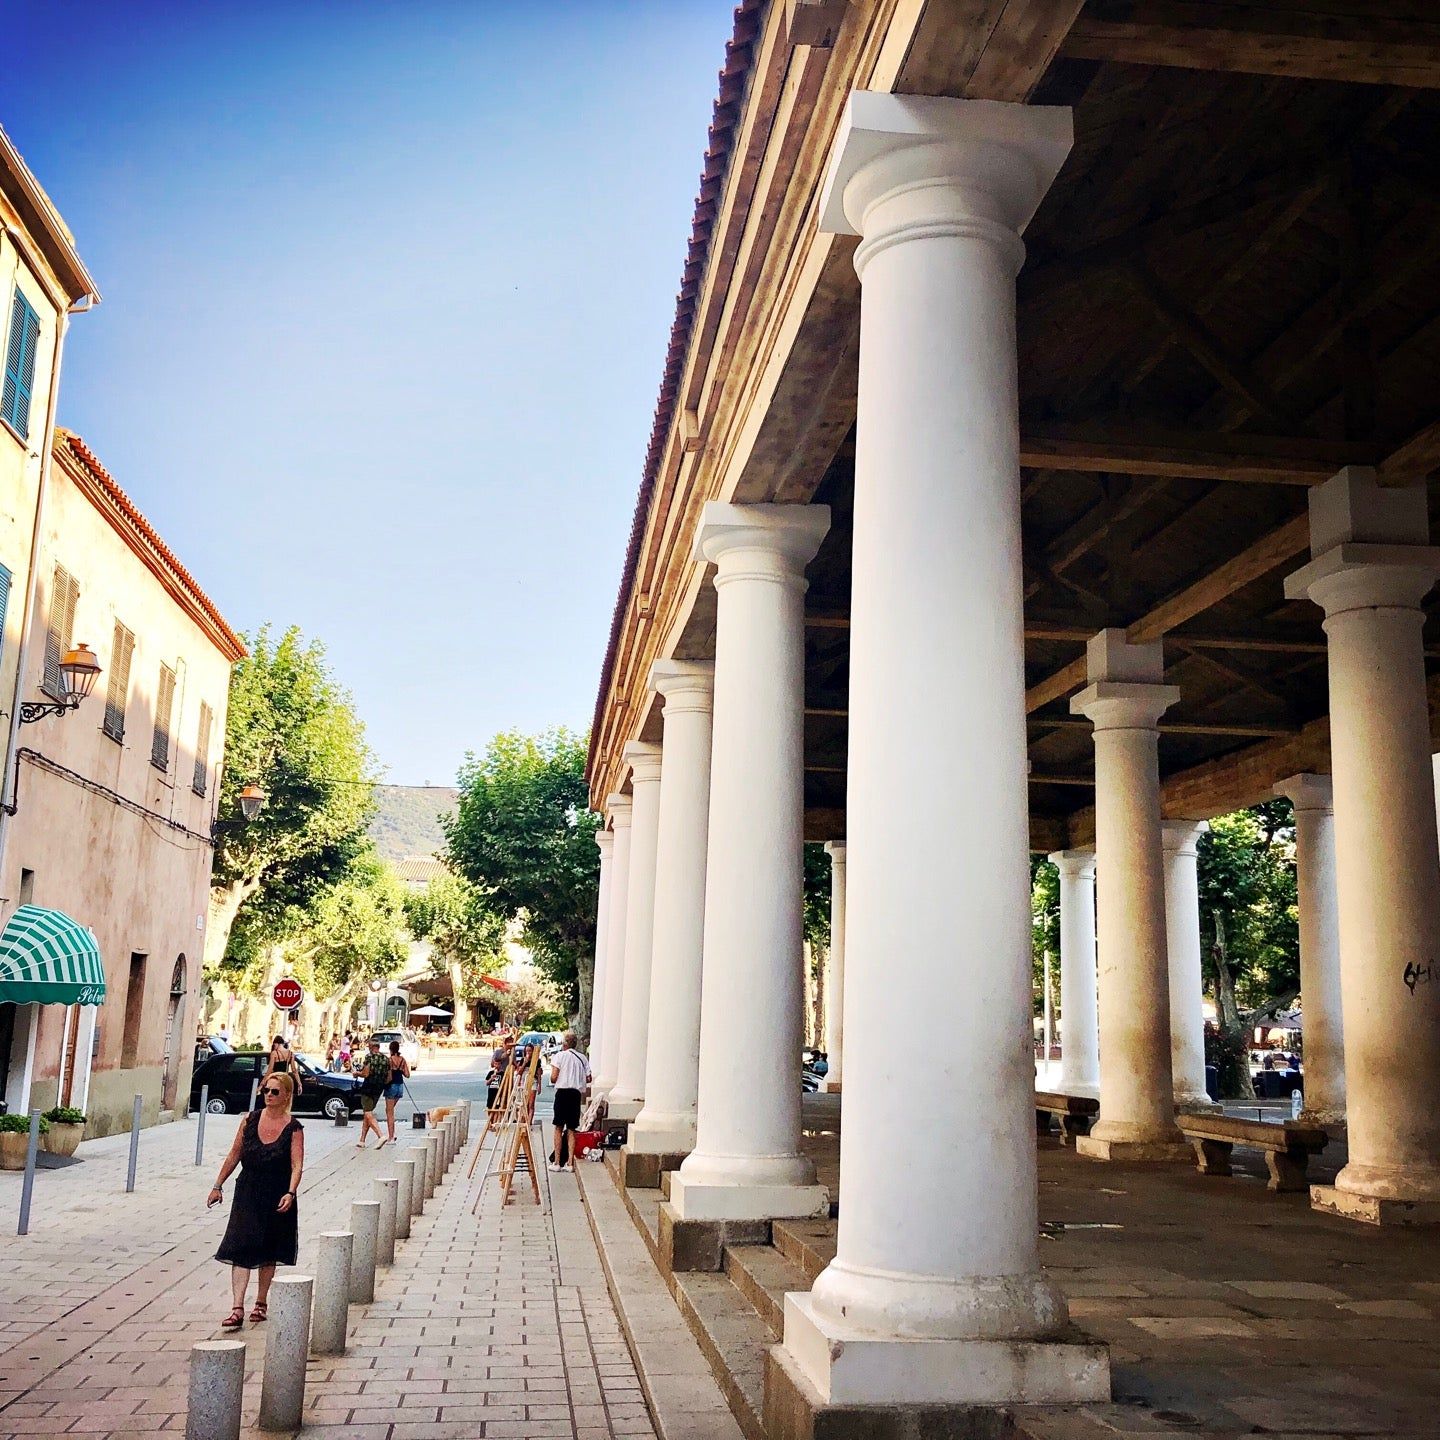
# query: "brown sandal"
235,1319
260,1312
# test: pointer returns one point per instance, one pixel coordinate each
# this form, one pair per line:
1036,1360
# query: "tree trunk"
225,903
460,1007
584,985
1235,1041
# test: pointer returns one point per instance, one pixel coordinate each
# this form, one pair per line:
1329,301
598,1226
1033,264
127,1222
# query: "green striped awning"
47,958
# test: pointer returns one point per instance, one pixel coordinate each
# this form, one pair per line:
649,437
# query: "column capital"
606,843
1181,837
922,166
1120,705
644,761
685,685
1074,864
617,807
1307,792
760,542
835,849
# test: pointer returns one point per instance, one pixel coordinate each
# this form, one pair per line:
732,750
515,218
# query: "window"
202,749
134,1010
27,887
20,366
117,691
164,705
59,635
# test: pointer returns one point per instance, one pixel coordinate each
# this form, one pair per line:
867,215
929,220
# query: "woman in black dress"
269,1148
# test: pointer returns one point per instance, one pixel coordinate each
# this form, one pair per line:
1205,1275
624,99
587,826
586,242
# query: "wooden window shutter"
117,691
202,749
64,593
4,601
164,707
20,351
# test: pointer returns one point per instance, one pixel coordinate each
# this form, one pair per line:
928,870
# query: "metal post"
134,1142
200,1128
287,1347
254,1090
27,1188
217,1387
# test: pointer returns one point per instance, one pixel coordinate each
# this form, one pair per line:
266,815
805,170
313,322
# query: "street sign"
288,994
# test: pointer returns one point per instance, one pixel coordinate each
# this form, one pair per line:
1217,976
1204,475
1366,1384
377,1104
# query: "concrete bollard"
432,1163
465,1123
417,1180
454,1136
217,1387
447,1144
387,1192
331,1324
404,1199
287,1348
365,1226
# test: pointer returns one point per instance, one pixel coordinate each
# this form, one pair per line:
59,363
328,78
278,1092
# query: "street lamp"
78,671
252,801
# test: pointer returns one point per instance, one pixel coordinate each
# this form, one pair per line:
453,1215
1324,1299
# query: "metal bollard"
331,1325
387,1192
217,1387
404,1201
200,1126
417,1180
254,1090
287,1347
134,1143
365,1226
27,1187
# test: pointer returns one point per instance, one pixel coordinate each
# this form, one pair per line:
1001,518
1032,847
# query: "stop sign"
288,994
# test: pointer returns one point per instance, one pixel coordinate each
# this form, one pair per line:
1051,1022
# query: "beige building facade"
114,801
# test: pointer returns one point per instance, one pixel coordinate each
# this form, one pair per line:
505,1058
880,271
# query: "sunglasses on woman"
272,1090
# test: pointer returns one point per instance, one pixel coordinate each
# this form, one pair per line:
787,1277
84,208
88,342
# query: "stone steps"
732,1337
809,1245
763,1276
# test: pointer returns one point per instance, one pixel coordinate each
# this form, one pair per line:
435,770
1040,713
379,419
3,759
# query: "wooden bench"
1076,1114
1288,1146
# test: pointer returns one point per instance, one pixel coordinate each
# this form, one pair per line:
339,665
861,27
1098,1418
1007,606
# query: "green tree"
1044,926
817,936
466,931
524,834
293,730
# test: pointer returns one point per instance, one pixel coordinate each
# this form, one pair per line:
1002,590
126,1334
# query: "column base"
1196,1104
846,1368
642,1169
622,1109
701,1200
1331,1120
1135,1151
687,1245
653,1134
1374,1209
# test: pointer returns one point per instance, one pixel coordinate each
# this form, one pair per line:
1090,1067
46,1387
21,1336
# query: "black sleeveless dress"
257,1233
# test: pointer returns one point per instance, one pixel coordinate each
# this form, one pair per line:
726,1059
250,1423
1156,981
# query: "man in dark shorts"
570,1073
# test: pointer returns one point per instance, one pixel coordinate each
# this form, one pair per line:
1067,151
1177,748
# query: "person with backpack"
373,1068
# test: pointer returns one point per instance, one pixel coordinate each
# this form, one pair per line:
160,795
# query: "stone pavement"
500,1326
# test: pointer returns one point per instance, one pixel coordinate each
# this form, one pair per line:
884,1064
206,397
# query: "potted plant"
67,1129
15,1139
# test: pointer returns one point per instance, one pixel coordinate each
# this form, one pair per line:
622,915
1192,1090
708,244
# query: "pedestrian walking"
499,1059
263,1231
282,1062
374,1072
570,1074
399,1073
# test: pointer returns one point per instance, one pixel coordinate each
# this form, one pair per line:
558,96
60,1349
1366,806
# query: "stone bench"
1288,1146
1076,1114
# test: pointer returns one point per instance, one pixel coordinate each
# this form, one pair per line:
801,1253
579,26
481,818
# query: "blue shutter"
4,603
20,365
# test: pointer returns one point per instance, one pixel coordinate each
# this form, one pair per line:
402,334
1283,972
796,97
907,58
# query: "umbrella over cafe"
431,1010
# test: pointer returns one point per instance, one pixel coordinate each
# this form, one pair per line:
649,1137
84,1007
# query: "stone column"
628,1094
835,975
1079,1032
607,1062
1324,1033
747,1164
605,843
1125,700
935,1294
1178,842
1370,570
666,1126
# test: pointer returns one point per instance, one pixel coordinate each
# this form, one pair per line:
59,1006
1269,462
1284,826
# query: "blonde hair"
286,1082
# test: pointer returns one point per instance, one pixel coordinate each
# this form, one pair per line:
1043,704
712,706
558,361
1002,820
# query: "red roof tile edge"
734,77
233,647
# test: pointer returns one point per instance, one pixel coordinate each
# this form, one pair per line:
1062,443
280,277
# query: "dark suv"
231,1076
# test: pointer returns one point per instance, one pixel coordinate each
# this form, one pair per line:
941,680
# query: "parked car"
409,1049
209,1045
231,1076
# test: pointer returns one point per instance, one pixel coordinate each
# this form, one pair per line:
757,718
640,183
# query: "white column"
1125,700
666,1126
1179,840
607,1062
747,1164
936,1293
1371,569
1079,1033
835,975
1311,797
628,1094
605,843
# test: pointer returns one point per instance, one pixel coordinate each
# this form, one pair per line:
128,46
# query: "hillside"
407,820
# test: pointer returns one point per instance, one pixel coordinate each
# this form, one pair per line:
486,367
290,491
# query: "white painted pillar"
747,1164
605,843
607,1062
1311,796
628,1094
1125,700
666,1125
1370,571
935,1293
1079,1032
1179,840
835,976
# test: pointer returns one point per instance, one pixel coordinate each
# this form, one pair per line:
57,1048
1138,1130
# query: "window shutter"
4,600
64,593
202,749
117,692
20,365
164,705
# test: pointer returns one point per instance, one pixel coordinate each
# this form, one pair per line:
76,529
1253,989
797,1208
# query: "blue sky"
387,289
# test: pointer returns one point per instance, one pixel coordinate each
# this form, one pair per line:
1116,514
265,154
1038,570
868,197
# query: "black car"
231,1076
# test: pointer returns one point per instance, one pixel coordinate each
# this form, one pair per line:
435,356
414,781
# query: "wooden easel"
513,1143
495,1115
